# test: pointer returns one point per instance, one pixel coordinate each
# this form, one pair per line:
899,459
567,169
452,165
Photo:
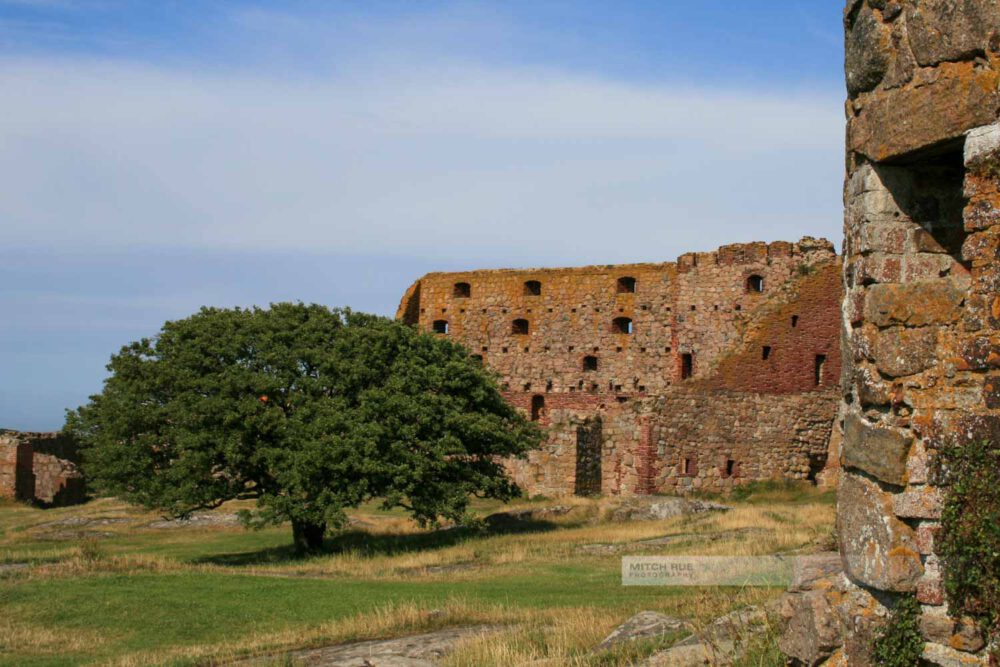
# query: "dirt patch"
11,568
204,520
414,651
694,538
71,535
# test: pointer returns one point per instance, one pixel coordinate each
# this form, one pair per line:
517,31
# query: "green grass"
144,596
149,611
152,611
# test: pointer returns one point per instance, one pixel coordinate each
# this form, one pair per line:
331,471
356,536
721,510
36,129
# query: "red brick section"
795,330
646,459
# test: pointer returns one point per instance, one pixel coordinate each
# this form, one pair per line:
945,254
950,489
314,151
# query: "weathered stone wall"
17,481
756,318
922,311
40,467
699,305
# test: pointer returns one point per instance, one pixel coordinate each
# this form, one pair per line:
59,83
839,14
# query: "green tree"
309,410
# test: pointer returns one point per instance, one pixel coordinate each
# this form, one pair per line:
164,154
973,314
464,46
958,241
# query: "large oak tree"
309,410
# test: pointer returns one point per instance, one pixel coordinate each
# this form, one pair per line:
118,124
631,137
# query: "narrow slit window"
795,321
537,407
687,365
729,469
819,369
765,352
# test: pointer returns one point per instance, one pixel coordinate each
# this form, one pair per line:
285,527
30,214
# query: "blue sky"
158,156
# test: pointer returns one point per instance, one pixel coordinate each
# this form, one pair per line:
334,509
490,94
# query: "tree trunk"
307,537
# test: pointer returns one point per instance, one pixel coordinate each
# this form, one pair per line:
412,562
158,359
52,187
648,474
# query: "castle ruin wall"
707,338
41,468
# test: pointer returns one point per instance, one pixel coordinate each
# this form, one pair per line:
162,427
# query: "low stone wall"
40,467
17,482
687,439
690,439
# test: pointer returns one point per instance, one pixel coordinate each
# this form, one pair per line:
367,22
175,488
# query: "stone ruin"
42,468
711,371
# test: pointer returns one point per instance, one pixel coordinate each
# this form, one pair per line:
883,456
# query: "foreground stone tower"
922,302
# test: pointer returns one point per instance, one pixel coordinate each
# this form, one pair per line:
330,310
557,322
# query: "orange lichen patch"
894,122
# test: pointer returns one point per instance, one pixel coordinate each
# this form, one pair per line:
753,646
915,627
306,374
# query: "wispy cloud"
445,159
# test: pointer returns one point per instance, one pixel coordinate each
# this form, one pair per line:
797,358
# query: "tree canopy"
307,409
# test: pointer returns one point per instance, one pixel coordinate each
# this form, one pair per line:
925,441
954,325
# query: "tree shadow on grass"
387,544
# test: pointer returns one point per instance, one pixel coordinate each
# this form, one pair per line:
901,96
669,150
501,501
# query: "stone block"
878,549
945,656
816,571
915,304
981,143
810,626
923,503
642,626
949,30
893,123
865,61
880,452
937,626
930,591
898,352
926,533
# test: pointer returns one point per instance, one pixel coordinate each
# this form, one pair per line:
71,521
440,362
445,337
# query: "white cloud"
408,159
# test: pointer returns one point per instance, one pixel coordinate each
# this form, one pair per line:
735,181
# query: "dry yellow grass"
567,637
383,622
766,529
17,635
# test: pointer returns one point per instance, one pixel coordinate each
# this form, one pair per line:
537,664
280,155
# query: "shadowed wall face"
922,292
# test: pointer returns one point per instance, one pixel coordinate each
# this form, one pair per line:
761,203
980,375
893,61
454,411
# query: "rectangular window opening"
819,369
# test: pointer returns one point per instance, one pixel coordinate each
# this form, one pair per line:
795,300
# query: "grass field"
102,584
